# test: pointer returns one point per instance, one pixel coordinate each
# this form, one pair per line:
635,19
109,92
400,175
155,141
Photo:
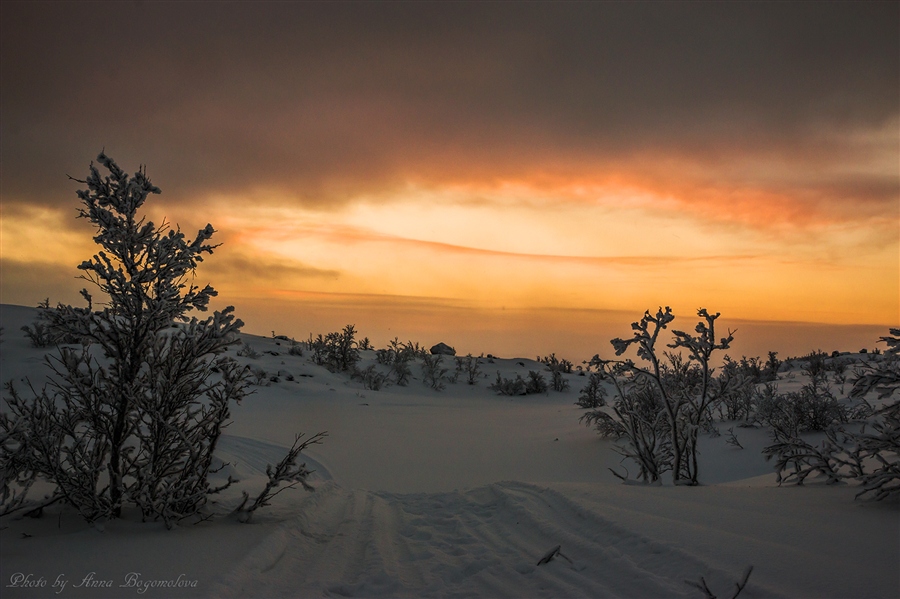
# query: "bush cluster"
337,351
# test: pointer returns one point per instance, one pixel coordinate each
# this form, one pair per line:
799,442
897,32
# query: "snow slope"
457,493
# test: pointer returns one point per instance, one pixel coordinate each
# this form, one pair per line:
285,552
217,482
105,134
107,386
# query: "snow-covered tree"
133,415
661,406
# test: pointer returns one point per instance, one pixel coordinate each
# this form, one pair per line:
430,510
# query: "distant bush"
813,408
398,355
511,387
338,352
433,373
370,377
734,389
396,351
401,373
469,366
557,369
555,364
593,395
258,375
536,383
246,351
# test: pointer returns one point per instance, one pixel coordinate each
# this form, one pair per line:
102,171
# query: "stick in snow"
553,553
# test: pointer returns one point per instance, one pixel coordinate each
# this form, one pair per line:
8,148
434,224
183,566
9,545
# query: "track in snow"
483,542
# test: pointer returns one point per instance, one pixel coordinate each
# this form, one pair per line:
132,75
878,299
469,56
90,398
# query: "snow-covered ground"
456,493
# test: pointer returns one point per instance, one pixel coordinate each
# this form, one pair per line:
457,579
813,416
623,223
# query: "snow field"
459,493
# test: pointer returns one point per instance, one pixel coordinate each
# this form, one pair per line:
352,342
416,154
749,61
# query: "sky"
501,176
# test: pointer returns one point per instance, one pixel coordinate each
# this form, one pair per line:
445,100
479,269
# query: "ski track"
482,542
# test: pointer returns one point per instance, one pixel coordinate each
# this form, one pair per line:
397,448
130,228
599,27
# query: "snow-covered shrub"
396,351
286,471
557,369
536,383
246,351
882,376
813,408
338,351
39,334
868,453
682,390
773,366
133,416
401,372
416,351
556,364
593,395
469,366
433,373
636,418
880,445
505,386
815,364
734,389
390,354
43,333
318,348
258,375
370,377
796,458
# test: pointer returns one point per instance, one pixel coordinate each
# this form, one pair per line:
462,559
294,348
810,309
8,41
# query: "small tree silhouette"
134,415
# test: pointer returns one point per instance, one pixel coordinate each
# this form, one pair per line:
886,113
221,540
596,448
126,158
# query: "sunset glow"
428,165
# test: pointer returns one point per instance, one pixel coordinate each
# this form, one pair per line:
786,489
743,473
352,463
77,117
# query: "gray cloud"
258,270
322,99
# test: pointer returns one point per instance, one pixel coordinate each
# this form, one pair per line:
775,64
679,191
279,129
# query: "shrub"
468,365
536,383
682,392
370,377
557,369
556,364
338,351
43,333
248,352
773,365
401,372
511,387
433,375
637,420
593,395
734,389
869,455
140,427
399,352
813,408
296,349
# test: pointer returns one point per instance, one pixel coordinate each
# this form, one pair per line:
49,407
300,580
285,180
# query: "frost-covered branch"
286,471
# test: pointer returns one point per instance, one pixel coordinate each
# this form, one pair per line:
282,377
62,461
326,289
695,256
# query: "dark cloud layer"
324,99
